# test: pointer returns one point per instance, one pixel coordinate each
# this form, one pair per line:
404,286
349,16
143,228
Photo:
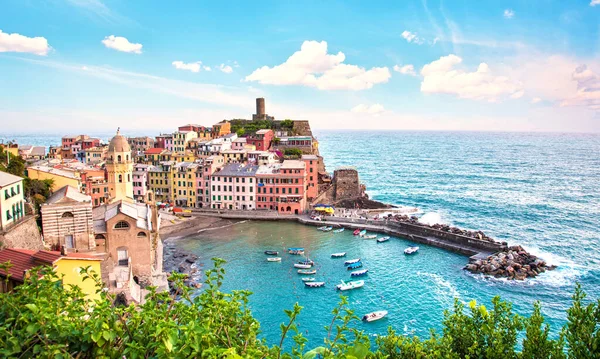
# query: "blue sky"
94,65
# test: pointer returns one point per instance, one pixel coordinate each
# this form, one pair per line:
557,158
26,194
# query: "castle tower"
119,168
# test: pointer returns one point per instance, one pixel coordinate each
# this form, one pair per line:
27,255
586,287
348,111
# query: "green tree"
287,124
582,331
537,344
292,152
240,132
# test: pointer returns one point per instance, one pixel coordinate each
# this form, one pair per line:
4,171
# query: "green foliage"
15,166
287,124
240,132
251,127
42,318
292,152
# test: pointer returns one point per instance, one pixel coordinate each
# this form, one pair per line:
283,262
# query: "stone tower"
119,168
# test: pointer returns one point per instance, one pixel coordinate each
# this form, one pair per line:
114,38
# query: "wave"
431,218
444,290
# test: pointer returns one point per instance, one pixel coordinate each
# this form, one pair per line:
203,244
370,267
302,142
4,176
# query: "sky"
70,66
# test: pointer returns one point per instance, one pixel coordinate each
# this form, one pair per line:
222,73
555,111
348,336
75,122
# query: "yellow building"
181,139
60,177
160,181
221,129
68,266
119,168
185,184
11,199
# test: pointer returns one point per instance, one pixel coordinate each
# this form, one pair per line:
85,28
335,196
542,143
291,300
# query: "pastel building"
12,204
140,181
119,168
261,139
233,187
281,187
221,129
185,183
203,179
181,139
312,176
60,177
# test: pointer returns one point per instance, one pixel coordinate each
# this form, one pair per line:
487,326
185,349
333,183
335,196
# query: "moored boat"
308,279
322,228
411,250
371,317
271,253
350,285
340,230
307,271
296,252
356,232
327,229
358,273
314,284
352,261
354,265
369,236
362,233
274,259
338,255
302,266
383,239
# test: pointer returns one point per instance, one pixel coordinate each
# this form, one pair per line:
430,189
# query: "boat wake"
444,290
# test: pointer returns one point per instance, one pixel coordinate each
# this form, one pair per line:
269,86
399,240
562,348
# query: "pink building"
312,177
203,179
282,187
140,181
262,140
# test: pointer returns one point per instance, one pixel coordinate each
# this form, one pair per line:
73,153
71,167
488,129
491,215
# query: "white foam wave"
431,218
445,290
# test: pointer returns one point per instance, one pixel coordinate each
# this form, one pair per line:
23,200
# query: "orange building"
221,129
312,176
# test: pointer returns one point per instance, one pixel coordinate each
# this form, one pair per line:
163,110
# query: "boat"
296,249
350,285
308,279
314,284
354,265
370,236
321,228
271,253
307,261
371,317
358,273
296,252
411,250
302,266
383,239
338,255
307,271
356,232
352,261
339,230
274,259
327,229
362,233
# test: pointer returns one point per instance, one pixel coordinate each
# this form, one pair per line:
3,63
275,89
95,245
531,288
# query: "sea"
539,190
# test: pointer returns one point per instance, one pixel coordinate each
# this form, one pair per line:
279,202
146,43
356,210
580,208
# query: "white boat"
370,236
327,229
371,317
274,259
338,255
339,230
302,266
383,239
307,271
296,252
352,261
358,273
362,233
308,279
321,228
350,285
411,250
314,284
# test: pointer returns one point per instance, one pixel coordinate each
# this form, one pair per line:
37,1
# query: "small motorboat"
338,255
308,279
302,266
321,228
371,317
307,271
340,230
274,259
369,236
296,250
351,261
356,232
359,273
383,239
327,229
362,233
271,253
411,250
314,284
350,285
354,265
307,261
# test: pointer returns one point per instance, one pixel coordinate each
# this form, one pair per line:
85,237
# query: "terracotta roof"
154,151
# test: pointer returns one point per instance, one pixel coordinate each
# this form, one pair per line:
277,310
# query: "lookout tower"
261,113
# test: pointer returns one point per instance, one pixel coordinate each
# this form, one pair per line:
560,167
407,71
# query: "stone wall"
23,235
302,128
346,184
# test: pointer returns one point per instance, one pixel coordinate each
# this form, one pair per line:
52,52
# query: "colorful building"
233,187
221,129
312,176
181,139
203,179
140,144
281,187
60,177
95,155
185,183
140,181
119,169
153,156
160,181
261,139
12,204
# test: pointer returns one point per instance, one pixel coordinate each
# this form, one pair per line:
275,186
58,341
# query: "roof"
269,169
25,147
6,179
68,193
154,151
140,212
237,170
55,171
119,144
289,164
262,132
23,260
310,157
241,139
230,135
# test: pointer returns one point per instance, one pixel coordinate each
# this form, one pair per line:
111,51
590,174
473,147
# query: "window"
296,190
67,215
121,225
251,189
142,235
119,158
120,178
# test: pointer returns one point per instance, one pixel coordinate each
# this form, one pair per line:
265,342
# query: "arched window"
128,177
127,157
141,234
122,225
67,215
100,236
119,158
120,178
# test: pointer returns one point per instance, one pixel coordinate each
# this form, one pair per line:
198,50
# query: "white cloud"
226,68
594,2
588,89
121,44
192,66
509,13
412,37
206,68
405,70
312,66
536,100
375,109
18,43
442,76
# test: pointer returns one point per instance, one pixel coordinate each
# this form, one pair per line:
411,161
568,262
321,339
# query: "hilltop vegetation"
41,318
246,127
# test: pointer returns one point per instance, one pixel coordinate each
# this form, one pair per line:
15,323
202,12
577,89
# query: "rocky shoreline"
181,261
514,263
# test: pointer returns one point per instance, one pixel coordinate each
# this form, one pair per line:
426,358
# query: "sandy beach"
173,227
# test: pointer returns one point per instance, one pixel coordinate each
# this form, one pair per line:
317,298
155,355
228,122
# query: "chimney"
63,251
